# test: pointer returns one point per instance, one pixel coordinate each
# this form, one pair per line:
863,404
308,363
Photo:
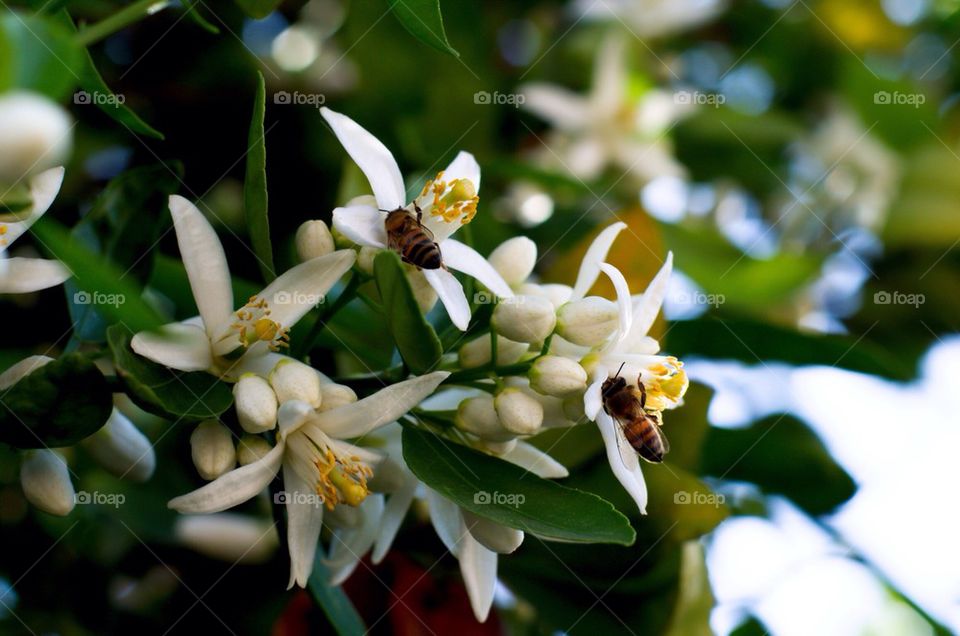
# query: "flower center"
252,325
449,200
666,382
341,479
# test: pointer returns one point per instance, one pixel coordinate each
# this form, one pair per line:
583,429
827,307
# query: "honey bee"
407,235
625,404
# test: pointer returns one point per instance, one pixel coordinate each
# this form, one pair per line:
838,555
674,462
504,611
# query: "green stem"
488,371
122,18
349,293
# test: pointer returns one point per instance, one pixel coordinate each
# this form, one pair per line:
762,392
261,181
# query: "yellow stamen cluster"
255,325
451,200
342,480
667,385
3,231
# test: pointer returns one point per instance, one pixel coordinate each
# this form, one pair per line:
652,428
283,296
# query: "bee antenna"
620,369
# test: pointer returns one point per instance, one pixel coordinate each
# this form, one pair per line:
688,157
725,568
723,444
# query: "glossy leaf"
165,392
754,342
415,338
102,283
783,456
334,602
422,18
542,507
39,54
56,405
255,186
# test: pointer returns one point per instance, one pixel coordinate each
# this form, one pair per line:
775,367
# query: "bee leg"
419,213
643,392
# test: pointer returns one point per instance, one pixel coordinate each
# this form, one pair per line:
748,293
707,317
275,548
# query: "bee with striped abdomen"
625,404
411,239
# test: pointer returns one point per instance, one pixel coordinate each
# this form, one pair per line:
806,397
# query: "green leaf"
422,18
258,9
737,279
104,284
190,7
165,392
58,404
255,186
754,342
539,506
39,54
783,456
417,341
92,83
333,600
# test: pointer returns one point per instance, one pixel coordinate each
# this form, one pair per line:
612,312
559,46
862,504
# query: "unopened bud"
514,259
557,376
46,482
588,322
478,415
476,353
211,446
335,396
314,239
122,449
228,536
256,403
35,134
252,448
518,412
524,318
294,380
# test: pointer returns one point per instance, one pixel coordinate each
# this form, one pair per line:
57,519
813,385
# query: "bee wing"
663,440
627,453
427,231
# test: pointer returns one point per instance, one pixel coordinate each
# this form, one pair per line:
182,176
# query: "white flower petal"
347,548
646,308
609,78
177,346
205,262
623,460
24,275
531,458
43,190
393,514
446,520
21,369
563,108
492,535
478,565
464,258
232,488
298,290
463,166
596,254
450,292
372,157
384,406
362,224
624,304
593,398
304,522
